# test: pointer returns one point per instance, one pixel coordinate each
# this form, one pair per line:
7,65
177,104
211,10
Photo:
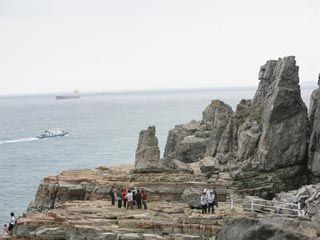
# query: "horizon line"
151,90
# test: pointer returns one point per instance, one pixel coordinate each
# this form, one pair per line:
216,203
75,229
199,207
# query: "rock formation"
284,119
308,196
148,153
243,146
187,142
76,205
314,123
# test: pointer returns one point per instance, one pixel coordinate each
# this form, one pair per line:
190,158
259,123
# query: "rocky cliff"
244,146
314,141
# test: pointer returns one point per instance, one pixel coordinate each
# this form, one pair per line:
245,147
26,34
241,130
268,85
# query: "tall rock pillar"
148,153
314,123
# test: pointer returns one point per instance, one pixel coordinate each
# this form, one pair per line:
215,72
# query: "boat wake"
19,140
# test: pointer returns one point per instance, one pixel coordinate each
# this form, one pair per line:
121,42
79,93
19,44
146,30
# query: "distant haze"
90,45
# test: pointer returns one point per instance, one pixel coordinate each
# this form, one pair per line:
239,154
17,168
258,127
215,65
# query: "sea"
103,130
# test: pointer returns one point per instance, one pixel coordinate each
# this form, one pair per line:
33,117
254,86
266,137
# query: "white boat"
57,132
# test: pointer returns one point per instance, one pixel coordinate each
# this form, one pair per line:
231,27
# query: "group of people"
208,200
128,198
7,229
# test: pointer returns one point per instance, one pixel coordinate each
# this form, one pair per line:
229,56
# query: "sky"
53,46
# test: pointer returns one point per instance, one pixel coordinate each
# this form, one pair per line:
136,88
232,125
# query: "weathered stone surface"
181,166
209,165
262,137
191,149
148,153
249,135
308,196
187,142
284,119
268,229
266,77
168,185
314,123
100,220
130,236
219,115
108,236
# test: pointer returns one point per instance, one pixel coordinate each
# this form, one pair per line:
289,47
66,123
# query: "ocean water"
103,130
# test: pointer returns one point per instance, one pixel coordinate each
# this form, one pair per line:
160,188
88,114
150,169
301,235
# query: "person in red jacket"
124,197
144,199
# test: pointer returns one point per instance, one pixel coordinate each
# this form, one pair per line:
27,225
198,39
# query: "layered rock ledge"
76,205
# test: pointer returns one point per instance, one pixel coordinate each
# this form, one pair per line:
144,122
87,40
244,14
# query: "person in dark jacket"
138,199
215,197
119,198
112,196
144,199
12,223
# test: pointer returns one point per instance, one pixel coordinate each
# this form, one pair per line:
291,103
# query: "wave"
19,140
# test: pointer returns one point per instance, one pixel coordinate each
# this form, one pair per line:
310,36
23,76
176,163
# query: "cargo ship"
76,94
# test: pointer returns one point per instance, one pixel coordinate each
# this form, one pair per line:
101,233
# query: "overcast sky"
91,45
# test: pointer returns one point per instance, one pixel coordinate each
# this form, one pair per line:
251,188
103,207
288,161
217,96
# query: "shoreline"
267,148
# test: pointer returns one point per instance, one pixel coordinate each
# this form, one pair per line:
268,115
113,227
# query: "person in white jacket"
204,202
129,199
211,198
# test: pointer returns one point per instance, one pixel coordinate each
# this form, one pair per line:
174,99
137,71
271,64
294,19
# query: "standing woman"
124,197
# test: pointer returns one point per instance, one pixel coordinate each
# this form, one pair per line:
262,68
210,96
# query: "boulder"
187,142
191,149
209,165
148,153
192,197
